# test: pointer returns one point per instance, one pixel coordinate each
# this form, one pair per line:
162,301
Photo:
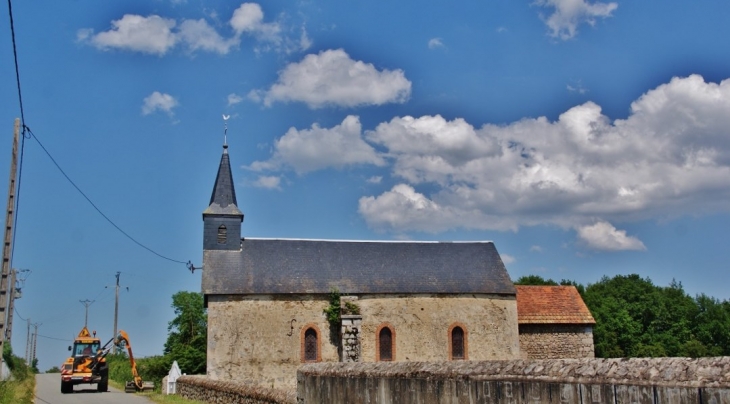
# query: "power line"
54,338
22,118
34,136
25,128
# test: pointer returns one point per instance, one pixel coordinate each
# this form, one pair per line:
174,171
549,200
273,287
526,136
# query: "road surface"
48,391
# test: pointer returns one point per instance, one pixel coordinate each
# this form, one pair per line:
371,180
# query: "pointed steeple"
222,219
223,198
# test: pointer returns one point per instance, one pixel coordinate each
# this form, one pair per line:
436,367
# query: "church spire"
224,194
222,219
223,198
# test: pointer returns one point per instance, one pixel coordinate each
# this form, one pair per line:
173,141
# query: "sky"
585,138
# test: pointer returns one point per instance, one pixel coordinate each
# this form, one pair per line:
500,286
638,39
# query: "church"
398,301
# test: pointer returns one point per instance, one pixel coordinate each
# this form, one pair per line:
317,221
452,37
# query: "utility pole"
116,312
8,239
86,304
17,281
11,305
27,345
35,343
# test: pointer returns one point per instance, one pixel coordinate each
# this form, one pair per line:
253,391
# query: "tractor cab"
85,348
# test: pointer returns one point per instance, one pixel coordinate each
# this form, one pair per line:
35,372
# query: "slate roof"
223,198
292,266
551,305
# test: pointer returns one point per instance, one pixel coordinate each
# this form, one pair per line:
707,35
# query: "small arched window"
311,345
222,234
458,343
385,340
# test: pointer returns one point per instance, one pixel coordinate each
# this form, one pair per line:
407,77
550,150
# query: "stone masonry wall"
421,325
571,381
546,341
219,392
258,339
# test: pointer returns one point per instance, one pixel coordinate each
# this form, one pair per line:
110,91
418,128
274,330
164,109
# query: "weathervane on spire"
225,130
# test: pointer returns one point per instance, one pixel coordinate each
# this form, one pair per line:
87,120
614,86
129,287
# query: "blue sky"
585,138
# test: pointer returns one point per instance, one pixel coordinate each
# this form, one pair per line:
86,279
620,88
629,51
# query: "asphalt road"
48,391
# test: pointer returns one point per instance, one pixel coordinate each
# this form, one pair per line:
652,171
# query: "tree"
54,369
535,280
187,332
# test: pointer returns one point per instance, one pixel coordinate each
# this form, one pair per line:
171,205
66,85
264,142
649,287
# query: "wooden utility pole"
8,238
11,305
27,344
116,312
35,343
86,304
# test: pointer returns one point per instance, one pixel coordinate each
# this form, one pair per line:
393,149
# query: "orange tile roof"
551,305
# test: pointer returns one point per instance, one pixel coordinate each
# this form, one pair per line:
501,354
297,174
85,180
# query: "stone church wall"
259,339
421,325
556,341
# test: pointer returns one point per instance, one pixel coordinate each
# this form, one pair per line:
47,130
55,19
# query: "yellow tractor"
88,363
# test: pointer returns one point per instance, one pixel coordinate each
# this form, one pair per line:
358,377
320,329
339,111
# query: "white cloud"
332,78
318,148
434,43
507,259
157,35
249,18
234,99
536,248
304,41
268,182
578,88
151,34
376,179
159,102
603,236
198,35
670,157
568,14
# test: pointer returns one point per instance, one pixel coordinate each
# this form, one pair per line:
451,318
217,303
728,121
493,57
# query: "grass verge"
158,397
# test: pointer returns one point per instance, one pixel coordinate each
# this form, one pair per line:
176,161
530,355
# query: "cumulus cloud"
234,99
249,18
568,14
434,43
157,35
332,78
670,157
318,148
268,182
158,101
199,35
507,259
151,35
375,179
603,236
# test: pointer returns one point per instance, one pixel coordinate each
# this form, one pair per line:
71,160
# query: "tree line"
635,318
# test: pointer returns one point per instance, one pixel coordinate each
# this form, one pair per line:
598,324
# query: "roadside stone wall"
556,341
204,389
571,381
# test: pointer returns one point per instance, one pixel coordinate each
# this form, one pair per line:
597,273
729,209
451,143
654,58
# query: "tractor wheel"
102,386
66,388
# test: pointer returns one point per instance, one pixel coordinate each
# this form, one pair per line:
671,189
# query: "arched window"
385,339
311,345
458,343
385,343
222,234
